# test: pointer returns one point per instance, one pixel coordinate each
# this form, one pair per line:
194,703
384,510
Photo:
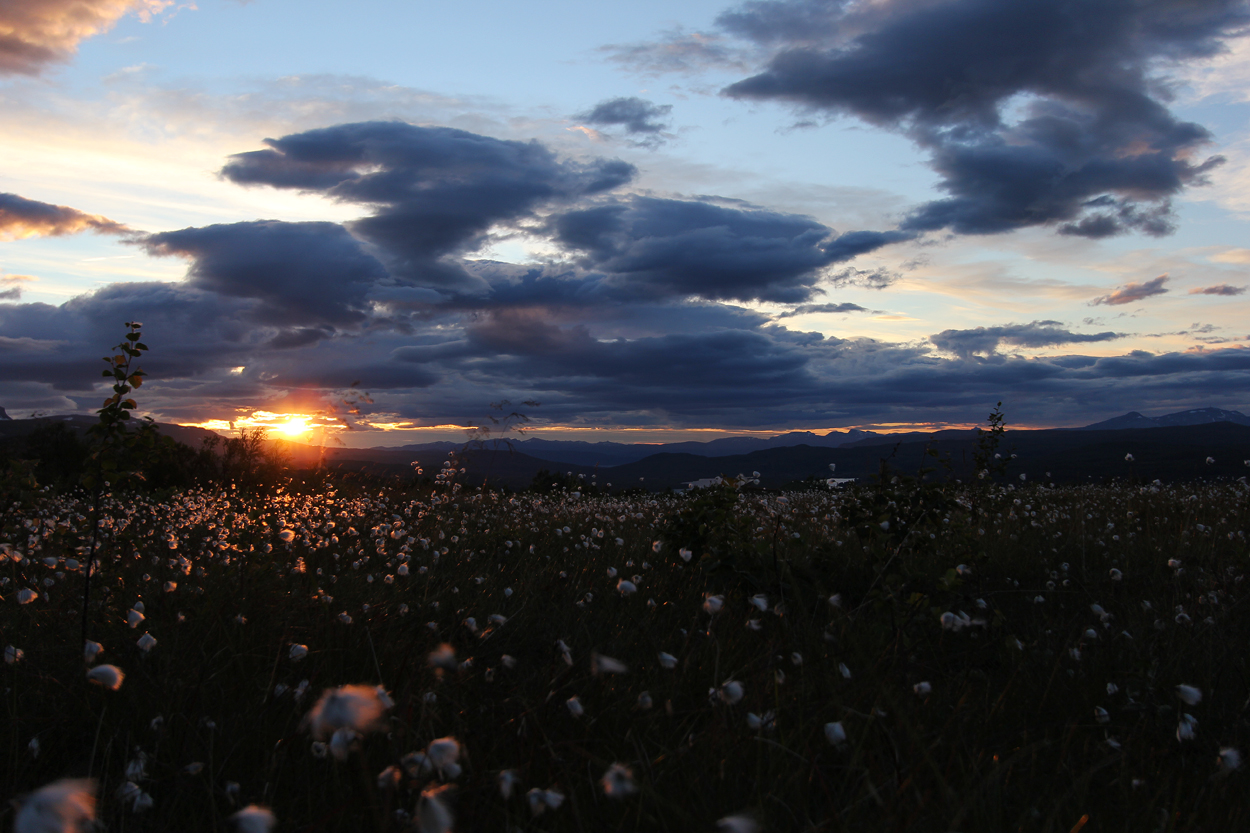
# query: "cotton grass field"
348,656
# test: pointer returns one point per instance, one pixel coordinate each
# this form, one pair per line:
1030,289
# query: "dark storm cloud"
703,365
636,115
1093,150
678,372
1221,289
20,217
196,330
435,191
986,340
304,273
438,193
650,248
1133,292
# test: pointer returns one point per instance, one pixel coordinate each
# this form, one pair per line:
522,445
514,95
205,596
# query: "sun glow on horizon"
294,426
288,426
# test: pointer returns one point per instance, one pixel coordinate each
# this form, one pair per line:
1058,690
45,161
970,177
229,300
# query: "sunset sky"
660,221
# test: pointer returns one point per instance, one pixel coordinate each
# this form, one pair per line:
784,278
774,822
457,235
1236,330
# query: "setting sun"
288,426
293,427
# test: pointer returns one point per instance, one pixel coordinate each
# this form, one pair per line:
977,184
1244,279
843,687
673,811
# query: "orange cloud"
21,218
34,33
1133,292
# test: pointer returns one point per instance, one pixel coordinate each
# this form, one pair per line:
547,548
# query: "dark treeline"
56,455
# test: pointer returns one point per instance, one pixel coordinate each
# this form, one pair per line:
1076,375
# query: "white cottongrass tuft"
444,656
343,742
731,692
25,596
1229,760
575,706
1187,728
618,782
542,800
601,664
107,676
65,806
1190,694
760,601
254,819
713,604
134,617
146,642
756,722
737,824
433,814
644,700
91,650
667,660
922,689
835,733
442,756
355,707
298,652
508,779
389,778
132,796
626,587
13,655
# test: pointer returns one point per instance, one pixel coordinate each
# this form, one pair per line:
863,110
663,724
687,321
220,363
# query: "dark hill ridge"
1069,456
1168,452
79,423
1196,416
580,452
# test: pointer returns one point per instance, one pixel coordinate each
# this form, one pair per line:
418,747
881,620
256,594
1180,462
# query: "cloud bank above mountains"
640,308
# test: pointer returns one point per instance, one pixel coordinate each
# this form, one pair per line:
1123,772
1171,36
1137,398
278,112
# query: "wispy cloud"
643,121
1133,292
986,340
1220,289
837,309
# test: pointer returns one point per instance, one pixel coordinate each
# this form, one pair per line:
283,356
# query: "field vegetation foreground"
905,656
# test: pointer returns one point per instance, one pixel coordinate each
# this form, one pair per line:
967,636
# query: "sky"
385,221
